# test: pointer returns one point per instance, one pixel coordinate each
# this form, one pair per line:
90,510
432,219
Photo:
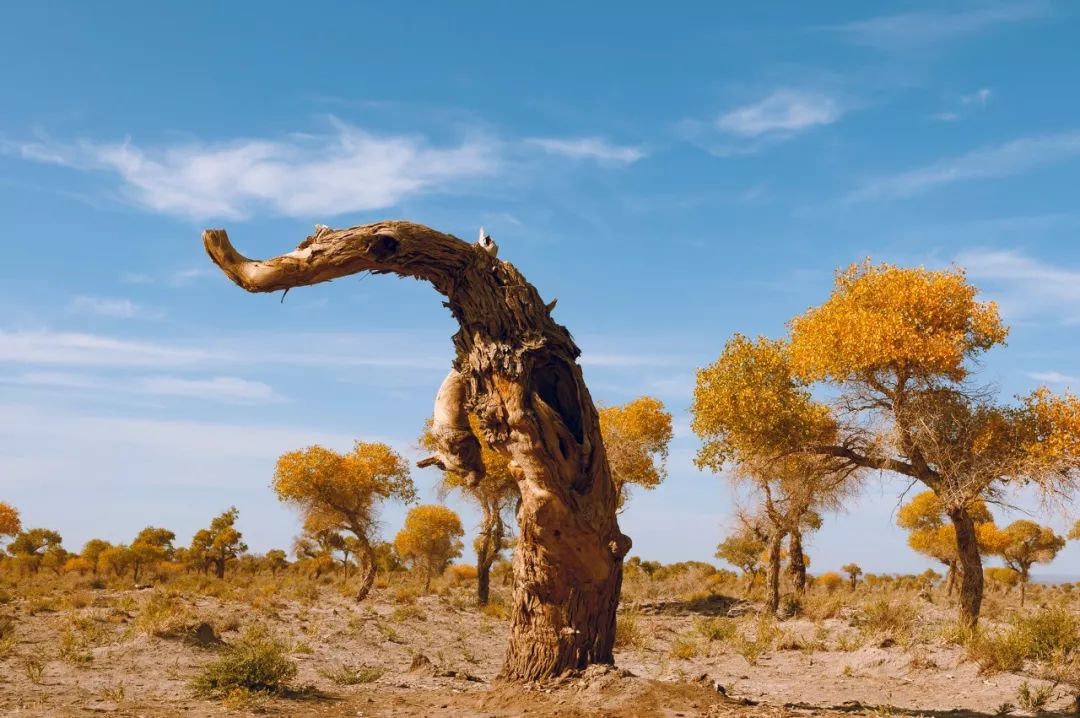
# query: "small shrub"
765,634
1049,634
715,629
113,694
892,618
408,612
684,647
460,574
254,662
628,631
497,609
345,675
34,668
1034,699
164,616
830,581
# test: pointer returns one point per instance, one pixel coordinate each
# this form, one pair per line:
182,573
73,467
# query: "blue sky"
672,178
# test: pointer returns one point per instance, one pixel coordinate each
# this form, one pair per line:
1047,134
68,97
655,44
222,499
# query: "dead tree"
516,370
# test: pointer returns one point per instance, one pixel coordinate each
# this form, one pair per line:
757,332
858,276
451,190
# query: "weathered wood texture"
516,371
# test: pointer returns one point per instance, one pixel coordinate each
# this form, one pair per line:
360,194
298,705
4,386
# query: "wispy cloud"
347,170
1004,160
965,103
77,349
1053,377
919,29
1023,285
596,149
72,349
785,112
112,308
224,389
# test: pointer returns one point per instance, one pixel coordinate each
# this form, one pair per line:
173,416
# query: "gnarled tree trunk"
368,565
797,562
491,542
773,582
971,574
516,370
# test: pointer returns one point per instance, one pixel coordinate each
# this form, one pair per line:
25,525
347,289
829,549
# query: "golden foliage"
923,323
10,524
335,490
1023,543
931,533
1052,439
636,437
430,538
748,403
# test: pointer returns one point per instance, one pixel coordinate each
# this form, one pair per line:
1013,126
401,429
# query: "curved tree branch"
397,247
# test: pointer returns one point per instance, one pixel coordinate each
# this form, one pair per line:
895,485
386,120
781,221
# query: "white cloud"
783,113
113,308
349,170
597,149
46,347
965,104
979,98
228,390
59,348
1024,286
919,29
1053,377
1004,160
223,388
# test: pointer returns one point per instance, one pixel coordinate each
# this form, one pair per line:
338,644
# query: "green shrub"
254,662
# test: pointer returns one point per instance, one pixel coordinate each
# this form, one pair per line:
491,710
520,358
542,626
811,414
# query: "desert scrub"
628,631
163,616
7,636
256,662
684,647
1050,634
715,629
763,636
498,610
881,616
408,612
346,675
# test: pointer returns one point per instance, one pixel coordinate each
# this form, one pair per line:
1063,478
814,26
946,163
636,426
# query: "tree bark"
490,544
971,575
365,556
950,578
219,567
516,370
797,563
773,582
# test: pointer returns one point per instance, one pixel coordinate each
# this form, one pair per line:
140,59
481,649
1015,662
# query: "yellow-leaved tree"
218,544
495,494
430,539
764,446
10,523
895,347
636,438
341,492
1022,544
931,534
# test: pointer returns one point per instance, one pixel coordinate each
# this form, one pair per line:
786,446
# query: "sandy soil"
114,665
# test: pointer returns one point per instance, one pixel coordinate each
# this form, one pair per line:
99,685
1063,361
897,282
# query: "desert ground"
690,644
